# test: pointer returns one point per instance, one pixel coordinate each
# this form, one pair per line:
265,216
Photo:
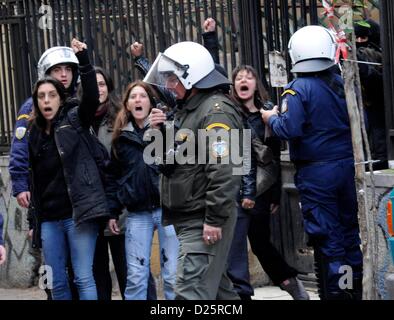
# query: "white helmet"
190,62
54,56
312,49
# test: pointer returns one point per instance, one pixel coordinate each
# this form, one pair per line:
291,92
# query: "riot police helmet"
312,49
192,64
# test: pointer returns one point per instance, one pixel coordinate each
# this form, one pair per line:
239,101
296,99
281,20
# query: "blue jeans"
139,235
61,239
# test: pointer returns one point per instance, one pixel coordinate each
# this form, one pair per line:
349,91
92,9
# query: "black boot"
245,296
341,295
357,291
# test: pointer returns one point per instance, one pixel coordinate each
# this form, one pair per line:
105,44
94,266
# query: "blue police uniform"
315,121
19,156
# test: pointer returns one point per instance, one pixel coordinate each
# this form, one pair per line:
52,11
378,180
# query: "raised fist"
136,49
209,25
77,45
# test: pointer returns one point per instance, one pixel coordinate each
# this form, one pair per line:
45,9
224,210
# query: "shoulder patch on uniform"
220,149
288,91
20,132
284,107
23,116
218,125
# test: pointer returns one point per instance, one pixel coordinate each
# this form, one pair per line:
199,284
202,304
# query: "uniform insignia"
183,137
218,125
20,132
283,107
23,116
288,91
220,149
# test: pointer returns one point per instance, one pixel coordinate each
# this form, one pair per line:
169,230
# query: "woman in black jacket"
258,202
106,241
67,192
134,185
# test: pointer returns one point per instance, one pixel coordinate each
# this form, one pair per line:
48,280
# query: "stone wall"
384,273
17,272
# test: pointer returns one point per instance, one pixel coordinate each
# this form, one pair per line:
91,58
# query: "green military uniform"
195,194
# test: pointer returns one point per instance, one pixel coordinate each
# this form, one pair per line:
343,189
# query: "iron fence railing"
247,32
387,28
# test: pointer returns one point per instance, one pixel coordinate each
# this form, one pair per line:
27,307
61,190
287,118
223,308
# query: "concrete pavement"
275,293
264,293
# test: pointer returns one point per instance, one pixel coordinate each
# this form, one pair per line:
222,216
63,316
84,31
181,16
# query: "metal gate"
266,26
109,27
387,12
14,75
247,32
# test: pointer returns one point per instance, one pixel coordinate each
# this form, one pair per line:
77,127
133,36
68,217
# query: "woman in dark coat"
67,192
134,185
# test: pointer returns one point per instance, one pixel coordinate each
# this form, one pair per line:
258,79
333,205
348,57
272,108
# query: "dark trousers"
101,271
101,268
329,206
377,138
255,225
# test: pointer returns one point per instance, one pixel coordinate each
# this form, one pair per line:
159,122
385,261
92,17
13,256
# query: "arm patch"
20,132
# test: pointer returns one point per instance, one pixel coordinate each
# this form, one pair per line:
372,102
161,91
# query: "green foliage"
363,23
360,3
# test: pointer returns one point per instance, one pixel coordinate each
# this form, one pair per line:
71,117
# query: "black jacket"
131,183
81,174
211,43
248,188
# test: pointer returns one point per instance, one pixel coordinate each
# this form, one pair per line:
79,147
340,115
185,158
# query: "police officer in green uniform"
199,192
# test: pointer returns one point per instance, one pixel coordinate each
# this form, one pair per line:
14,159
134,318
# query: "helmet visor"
164,72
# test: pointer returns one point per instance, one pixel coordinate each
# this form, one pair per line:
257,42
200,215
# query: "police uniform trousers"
201,271
329,206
